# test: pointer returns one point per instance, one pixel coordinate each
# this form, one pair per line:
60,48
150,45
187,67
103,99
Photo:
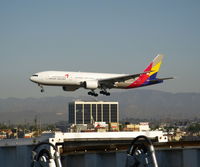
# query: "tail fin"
154,67
149,77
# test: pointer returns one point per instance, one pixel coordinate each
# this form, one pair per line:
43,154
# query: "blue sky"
97,36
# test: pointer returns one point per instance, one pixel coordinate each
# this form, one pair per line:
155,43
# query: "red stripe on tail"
142,78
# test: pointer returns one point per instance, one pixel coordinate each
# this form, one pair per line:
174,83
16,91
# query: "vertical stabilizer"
154,67
149,77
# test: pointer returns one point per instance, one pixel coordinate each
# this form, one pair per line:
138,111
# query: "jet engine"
92,84
70,88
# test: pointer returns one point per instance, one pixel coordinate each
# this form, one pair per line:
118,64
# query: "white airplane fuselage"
67,78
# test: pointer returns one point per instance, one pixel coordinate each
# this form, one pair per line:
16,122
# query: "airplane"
71,81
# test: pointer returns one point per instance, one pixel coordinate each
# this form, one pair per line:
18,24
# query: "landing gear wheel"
107,94
101,92
42,89
104,93
92,93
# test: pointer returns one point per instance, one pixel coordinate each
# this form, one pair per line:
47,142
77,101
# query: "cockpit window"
35,75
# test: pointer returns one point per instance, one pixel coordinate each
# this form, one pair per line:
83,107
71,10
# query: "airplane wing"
111,81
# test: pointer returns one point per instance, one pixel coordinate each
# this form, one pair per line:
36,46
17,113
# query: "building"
82,112
142,126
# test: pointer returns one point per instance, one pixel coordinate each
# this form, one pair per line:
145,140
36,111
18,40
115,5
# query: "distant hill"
142,104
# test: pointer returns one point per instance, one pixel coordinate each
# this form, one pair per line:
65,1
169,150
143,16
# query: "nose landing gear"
41,88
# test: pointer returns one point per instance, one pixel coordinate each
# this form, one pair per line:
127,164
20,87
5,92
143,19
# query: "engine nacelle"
70,88
92,84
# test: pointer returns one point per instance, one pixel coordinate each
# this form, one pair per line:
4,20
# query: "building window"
79,113
87,116
106,113
94,112
99,112
114,113
71,113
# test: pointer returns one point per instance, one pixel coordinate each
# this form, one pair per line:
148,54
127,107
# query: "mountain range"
137,104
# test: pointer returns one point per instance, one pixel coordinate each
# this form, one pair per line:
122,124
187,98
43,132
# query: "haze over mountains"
141,104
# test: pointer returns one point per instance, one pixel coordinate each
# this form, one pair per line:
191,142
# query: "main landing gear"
92,93
103,92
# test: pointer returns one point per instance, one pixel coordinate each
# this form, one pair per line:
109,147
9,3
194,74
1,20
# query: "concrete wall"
165,158
95,160
20,156
179,158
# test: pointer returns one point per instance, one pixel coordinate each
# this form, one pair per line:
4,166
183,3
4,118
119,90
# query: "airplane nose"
31,78
34,78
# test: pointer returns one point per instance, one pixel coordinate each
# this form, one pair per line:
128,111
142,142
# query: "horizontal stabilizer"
165,78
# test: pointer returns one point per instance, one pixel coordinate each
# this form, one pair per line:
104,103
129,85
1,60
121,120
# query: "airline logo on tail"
149,78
